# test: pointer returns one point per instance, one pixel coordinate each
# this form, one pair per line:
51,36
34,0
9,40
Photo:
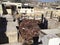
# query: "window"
19,7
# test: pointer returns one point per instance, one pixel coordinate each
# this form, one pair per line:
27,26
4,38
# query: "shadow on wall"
3,28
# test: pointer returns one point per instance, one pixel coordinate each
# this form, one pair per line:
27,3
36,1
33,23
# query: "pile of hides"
29,29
